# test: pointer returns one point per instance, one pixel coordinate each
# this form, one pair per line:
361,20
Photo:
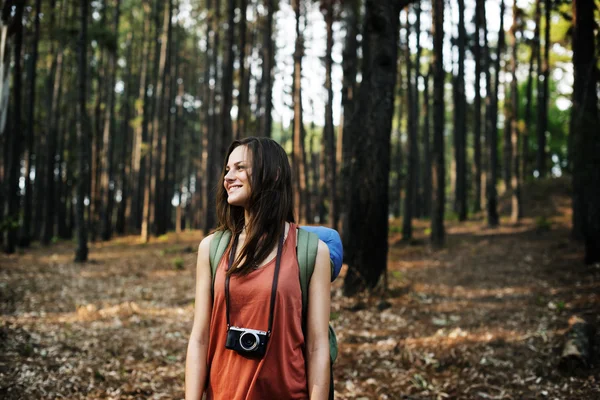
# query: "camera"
247,342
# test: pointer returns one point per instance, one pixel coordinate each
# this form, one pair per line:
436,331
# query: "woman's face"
237,176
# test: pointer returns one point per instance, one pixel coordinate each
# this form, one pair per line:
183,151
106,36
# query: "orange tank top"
281,373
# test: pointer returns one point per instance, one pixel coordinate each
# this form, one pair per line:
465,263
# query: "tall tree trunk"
437,156
163,189
51,138
141,128
106,174
535,49
149,169
124,208
427,162
584,128
227,95
477,109
268,61
349,92
409,196
461,128
245,50
398,159
25,238
491,127
298,145
544,96
14,160
328,132
517,209
418,197
213,143
369,136
81,253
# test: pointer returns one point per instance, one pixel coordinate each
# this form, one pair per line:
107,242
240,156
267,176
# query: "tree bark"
461,127
427,172
479,4
544,96
517,207
369,135
25,238
438,164
298,145
328,132
14,142
106,174
245,50
349,92
411,181
81,253
584,128
535,49
491,128
268,61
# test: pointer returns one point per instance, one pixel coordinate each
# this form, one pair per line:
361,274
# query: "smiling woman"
250,321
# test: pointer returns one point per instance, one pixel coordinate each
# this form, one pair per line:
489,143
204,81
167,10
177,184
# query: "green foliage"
179,264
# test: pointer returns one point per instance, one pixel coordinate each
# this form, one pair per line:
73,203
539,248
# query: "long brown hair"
270,204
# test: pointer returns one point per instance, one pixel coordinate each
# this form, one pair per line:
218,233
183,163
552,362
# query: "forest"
455,145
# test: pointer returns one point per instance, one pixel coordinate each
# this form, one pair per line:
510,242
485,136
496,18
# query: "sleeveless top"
281,373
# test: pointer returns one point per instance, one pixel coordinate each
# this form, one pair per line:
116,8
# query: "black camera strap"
273,286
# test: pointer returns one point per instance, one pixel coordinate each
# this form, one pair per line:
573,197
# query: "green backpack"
306,252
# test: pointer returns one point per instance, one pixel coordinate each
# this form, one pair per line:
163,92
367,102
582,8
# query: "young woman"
249,340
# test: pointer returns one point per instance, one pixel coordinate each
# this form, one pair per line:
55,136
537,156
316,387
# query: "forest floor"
483,318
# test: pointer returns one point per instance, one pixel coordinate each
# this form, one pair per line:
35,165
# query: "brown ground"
482,319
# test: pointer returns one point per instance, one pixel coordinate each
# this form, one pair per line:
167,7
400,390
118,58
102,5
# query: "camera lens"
249,341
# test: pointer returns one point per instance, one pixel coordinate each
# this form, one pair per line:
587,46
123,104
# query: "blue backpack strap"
218,245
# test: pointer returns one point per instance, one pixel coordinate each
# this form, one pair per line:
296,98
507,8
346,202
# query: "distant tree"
437,156
477,166
81,253
543,95
328,131
25,236
460,128
517,207
491,131
268,61
427,177
243,72
408,210
14,134
107,172
535,51
584,128
298,158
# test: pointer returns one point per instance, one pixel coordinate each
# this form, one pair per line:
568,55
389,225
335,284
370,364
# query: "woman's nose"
228,176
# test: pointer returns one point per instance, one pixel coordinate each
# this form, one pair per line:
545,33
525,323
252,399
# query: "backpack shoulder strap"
307,246
218,245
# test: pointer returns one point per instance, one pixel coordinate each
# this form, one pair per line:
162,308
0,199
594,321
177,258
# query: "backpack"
306,252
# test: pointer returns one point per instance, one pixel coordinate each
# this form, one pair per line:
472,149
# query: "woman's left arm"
317,341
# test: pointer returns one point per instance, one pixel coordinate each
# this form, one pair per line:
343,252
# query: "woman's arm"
195,363
317,341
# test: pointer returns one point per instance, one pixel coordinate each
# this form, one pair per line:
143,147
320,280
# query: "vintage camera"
247,342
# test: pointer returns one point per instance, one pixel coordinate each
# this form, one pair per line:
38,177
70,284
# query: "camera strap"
273,286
